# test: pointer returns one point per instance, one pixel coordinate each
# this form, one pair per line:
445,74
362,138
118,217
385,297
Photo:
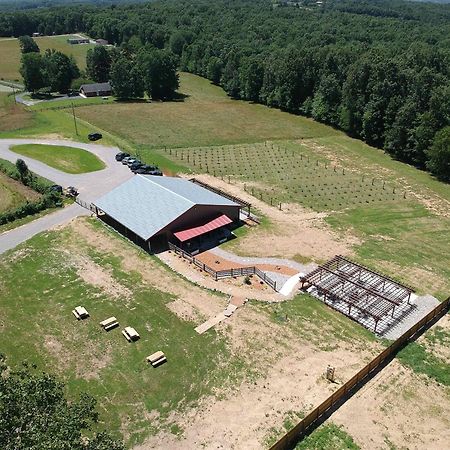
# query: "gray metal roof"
96,87
146,204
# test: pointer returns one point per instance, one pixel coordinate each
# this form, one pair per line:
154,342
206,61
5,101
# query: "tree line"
379,69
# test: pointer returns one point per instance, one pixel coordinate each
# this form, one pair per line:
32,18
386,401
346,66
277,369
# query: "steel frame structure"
359,287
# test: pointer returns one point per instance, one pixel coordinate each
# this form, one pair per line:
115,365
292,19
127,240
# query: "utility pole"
74,120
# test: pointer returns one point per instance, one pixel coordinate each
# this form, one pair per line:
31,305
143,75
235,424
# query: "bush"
50,199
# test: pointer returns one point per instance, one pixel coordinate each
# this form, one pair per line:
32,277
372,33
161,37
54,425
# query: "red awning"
190,233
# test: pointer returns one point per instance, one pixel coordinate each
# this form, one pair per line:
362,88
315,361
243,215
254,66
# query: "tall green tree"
159,73
126,79
439,155
28,45
60,70
98,64
32,71
35,414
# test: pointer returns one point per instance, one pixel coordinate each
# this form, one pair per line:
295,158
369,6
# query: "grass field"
282,158
66,159
39,317
13,193
65,268
205,117
10,53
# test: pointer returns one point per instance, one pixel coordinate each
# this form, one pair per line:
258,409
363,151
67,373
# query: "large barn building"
153,211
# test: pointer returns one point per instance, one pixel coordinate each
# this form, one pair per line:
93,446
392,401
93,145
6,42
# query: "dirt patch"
97,358
410,275
294,230
218,263
400,408
184,310
152,272
230,286
97,276
244,418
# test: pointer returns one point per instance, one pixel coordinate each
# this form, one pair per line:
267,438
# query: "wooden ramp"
233,305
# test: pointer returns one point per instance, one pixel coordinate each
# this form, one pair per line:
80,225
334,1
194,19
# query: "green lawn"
10,53
205,117
66,159
38,326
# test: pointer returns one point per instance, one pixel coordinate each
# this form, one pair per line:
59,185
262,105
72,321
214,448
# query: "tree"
98,64
32,72
214,69
126,80
28,45
60,70
22,168
159,73
178,40
35,414
439,155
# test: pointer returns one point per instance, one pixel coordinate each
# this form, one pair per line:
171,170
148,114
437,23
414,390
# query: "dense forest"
379,69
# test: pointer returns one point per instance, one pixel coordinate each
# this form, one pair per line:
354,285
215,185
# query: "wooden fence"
230,273
315,417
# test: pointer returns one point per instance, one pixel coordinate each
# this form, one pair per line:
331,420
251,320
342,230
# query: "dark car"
56,188
136,165
121,155
145,169
94,136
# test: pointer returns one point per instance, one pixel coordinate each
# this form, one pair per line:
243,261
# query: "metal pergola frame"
359,287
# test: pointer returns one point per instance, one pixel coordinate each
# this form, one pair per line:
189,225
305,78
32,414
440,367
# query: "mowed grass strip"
12,116
206,116
10,53
67,159
13,193
38,327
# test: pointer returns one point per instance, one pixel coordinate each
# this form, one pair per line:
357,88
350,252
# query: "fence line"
84,204
313,419
220,274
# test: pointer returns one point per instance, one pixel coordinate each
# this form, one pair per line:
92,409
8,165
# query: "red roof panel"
185,235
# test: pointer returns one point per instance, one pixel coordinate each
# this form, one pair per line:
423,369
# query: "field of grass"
330,437
290,172
205,117
66,159
40,328
399,214
10,53
13,193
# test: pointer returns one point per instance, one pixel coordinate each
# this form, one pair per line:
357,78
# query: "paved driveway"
90,185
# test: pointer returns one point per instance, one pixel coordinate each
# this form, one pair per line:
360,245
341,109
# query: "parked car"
121,155
146,169
136,165
56,188
131,161
155,172
94,136
126,159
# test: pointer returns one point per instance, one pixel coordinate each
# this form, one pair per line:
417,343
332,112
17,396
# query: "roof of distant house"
146,204
96,87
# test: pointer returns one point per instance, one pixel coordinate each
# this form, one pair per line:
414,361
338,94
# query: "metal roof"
96,87
211,225
146,204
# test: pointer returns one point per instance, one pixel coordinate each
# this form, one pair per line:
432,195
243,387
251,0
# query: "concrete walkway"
90,185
